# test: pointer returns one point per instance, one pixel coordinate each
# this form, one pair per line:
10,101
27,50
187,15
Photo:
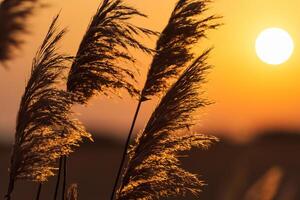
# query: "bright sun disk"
274,46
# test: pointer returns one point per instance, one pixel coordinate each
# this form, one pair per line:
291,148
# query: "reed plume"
13,23
104,50
46,129
187,25
98,67
72,193
154,170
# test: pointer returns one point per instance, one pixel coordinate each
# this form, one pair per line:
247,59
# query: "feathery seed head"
154,170
45,128
99,64
187,25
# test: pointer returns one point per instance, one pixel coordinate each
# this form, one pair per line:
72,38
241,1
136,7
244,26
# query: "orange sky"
248,93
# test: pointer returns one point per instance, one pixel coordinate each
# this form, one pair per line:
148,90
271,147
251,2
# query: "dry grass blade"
98,67
188,24
72,193
13,17
45,128
154,169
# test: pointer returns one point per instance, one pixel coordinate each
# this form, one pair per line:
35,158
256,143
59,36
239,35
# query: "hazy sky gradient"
248,93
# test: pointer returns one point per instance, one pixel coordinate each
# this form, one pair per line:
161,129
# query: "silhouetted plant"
46,129
13,23
154,169
104,50
187,25
99,64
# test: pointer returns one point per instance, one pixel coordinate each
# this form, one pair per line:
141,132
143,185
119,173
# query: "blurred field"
229,169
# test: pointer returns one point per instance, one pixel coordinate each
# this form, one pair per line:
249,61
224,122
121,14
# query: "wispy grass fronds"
13,23
154,169
104,50
72,193
46,129
187,25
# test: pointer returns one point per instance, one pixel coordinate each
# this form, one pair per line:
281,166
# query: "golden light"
274,46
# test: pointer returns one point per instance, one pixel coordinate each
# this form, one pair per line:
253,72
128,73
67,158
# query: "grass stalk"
10,188
38,192
125,149
58,179
64,177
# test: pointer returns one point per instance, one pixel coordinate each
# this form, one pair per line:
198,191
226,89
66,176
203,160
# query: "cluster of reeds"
187,25
154,169
47,132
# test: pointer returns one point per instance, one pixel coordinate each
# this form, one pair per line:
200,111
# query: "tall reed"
13,23
104,50
46,128
154,170
187,26
98,67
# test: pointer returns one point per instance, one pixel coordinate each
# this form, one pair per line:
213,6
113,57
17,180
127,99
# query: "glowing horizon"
248,93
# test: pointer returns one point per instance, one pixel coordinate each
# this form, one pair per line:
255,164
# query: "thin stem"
64,177
58,178
38,192
125,149
10,188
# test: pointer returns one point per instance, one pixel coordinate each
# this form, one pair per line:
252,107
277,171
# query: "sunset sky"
248,94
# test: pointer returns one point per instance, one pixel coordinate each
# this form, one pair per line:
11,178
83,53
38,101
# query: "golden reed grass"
47,131
46,128
98,66
154,170
187,25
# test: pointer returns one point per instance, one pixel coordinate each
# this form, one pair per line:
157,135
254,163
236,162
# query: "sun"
274,46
